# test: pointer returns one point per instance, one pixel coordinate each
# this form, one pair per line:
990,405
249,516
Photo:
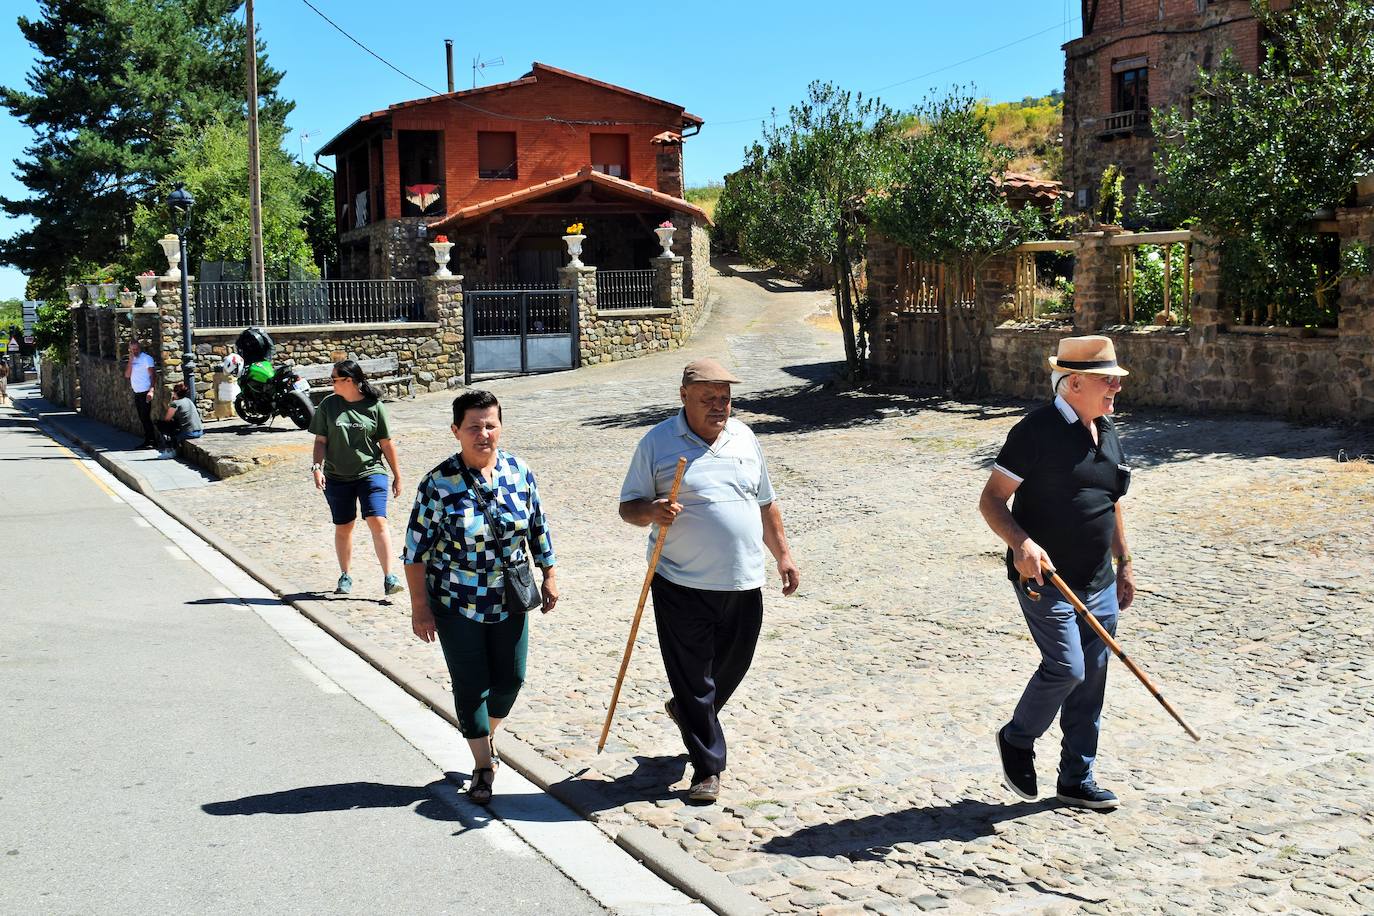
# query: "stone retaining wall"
57,383
618,334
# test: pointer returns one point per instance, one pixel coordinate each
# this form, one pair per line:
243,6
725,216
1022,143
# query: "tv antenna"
305,135
480,66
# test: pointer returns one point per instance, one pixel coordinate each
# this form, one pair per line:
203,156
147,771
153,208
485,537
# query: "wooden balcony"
1125,124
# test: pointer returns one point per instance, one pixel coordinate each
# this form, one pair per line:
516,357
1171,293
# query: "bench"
382,372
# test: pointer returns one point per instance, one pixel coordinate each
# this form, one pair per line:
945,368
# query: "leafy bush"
52,332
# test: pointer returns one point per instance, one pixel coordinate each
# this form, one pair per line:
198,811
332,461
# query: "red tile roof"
617,186
1021,186
528,79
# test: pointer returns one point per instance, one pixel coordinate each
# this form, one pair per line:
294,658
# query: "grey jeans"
1072,676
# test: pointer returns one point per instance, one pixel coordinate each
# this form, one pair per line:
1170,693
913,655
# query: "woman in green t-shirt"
351,439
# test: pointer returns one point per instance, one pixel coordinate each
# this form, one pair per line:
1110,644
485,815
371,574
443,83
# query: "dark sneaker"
1087,795
705,791
1018,767
345,584
392,584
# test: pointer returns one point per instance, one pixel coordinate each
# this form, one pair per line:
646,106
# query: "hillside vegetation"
1033,129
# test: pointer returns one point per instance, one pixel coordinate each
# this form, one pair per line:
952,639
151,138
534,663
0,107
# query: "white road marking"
316,676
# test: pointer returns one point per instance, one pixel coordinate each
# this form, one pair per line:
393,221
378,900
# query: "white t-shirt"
716,543
140,378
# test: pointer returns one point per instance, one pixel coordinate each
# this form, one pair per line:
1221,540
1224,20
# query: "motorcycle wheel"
298,409
249,412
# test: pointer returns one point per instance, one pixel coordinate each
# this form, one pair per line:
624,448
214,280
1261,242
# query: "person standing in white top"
142,374
708,587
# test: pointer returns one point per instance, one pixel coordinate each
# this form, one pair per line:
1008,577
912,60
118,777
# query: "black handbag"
519,595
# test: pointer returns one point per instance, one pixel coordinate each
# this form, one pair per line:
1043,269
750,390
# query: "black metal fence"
624,289
235,303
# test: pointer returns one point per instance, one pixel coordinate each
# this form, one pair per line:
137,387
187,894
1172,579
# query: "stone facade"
57,383
1171,39
611,336
1290,372
389,249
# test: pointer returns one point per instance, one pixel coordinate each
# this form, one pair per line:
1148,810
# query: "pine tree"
116,82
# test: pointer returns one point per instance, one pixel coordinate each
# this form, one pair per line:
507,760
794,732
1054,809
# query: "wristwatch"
1124,559
316,467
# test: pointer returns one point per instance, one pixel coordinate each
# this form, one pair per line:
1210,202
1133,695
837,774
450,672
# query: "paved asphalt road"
164,750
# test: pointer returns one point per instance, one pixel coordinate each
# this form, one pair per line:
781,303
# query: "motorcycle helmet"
232,365
254,345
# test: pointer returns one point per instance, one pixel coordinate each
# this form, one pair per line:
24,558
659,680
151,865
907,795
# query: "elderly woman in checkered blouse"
454,566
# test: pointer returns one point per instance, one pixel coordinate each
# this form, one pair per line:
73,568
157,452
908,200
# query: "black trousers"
145,416
707,639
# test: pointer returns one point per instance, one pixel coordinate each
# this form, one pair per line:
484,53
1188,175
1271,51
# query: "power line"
1010,44
369,50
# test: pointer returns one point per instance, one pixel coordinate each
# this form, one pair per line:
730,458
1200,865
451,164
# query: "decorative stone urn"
574,243
92,293
147,284
665,238
443,251
127,299
109,291
171,247
74,293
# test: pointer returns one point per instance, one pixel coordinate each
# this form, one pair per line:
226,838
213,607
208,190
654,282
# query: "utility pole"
256,269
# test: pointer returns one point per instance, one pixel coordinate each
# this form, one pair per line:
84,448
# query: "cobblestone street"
863,774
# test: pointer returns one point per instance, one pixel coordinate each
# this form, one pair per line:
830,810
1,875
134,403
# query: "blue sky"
730,63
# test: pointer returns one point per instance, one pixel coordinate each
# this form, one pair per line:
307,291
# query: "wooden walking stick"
639,610
1116,648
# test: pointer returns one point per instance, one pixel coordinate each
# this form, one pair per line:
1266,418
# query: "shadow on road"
343,796
765,278
649,781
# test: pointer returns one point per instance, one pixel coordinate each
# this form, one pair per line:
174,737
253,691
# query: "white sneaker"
167,453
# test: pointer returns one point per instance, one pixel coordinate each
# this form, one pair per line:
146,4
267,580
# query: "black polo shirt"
1069,487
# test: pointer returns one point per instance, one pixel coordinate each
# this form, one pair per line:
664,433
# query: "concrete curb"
660,855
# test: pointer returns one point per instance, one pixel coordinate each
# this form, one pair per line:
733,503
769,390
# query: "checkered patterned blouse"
449,533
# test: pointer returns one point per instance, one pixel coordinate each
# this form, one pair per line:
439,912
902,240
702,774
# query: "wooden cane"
1116,648
639,610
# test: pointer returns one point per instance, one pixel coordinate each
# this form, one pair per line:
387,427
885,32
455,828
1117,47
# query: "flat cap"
707,370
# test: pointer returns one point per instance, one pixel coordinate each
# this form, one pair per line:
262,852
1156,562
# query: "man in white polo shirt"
708,588
142,376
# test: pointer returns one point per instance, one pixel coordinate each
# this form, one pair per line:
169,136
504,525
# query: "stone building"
502,170
1134,56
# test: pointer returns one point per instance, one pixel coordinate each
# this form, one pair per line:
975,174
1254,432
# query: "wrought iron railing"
233,304
624,289
513,310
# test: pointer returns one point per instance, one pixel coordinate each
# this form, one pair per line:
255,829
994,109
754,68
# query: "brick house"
1135,55
503,169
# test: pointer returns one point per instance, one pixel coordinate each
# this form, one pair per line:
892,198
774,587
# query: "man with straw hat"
1064,471
708,587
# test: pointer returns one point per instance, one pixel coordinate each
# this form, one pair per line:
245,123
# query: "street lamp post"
180,203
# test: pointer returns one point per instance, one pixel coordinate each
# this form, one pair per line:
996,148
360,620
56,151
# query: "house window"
496,154
611,154
1132,89
422,174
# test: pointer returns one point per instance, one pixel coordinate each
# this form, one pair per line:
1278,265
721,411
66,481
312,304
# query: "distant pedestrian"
181,422
4,380
708,589
352,436
1063,468
142,375
476,524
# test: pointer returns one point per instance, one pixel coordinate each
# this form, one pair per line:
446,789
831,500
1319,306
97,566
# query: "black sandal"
479,789
495,757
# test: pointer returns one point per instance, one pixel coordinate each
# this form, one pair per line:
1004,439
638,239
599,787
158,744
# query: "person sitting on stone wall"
181,422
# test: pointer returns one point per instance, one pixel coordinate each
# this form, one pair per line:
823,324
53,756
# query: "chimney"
448,55
669,161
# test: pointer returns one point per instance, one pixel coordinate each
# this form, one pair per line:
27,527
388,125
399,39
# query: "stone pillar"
1094,282
74,356
441,363
169,343
668,282
1355,346
1204,311
582,281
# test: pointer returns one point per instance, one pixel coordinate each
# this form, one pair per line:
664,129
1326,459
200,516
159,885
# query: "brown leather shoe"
705,791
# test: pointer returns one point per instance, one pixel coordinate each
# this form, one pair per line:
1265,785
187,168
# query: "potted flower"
665,231
147,283
574,238
171,247
108,288
443,249
127,298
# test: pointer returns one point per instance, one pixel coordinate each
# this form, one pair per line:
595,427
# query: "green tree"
943,200
1262,153
115,83
317,197
212,162
799,198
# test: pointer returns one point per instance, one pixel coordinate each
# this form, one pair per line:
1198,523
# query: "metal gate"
518,331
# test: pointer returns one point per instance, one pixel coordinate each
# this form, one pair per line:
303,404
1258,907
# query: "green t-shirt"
352,432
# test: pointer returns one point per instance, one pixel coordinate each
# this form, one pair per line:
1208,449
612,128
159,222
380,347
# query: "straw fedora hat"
1090,355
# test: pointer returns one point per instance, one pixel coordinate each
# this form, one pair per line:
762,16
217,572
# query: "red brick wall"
544,149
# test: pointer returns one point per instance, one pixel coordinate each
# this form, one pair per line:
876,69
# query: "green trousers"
486,662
